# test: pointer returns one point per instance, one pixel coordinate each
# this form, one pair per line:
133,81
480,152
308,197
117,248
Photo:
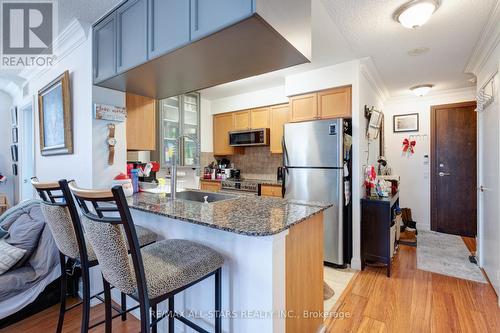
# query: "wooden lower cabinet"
304,276
141,122
280,115
271,191
210,186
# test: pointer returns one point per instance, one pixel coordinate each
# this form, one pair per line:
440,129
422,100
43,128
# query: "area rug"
446,254
337,279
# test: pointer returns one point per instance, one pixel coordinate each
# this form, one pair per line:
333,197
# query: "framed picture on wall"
55,117
405,123
15,137
14,153
13,116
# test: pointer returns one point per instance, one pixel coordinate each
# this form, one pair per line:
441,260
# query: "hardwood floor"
46,321
470,243
413,300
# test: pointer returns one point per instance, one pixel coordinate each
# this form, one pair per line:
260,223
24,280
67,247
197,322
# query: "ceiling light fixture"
415,13
422,89
418,51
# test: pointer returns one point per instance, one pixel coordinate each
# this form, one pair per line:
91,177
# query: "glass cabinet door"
191,125
180,115
170,126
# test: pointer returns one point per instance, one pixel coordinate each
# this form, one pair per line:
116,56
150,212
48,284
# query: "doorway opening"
27,152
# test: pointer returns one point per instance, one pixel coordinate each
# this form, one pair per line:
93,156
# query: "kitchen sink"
200,196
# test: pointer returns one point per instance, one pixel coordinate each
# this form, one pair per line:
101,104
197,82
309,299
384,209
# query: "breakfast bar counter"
273,272
246,215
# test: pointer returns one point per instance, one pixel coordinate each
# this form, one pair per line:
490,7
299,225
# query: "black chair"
63,219
149,275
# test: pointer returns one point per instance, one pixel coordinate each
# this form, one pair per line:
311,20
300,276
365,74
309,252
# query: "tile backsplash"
255,163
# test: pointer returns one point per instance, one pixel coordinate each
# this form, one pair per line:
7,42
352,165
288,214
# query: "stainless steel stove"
245,185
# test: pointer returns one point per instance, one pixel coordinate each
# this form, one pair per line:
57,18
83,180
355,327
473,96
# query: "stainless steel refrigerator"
313,157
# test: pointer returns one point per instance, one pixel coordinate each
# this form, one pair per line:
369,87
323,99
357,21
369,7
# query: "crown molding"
489,40
372,76
66,42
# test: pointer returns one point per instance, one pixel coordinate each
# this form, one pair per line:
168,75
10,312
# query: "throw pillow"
9,256
24,233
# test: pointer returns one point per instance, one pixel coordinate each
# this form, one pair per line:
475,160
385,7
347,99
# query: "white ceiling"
328,47
450,34
349,29
343,30
88,11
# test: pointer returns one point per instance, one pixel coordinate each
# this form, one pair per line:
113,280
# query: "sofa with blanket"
31,284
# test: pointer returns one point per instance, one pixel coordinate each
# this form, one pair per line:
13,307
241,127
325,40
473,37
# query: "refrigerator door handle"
285,153
283,185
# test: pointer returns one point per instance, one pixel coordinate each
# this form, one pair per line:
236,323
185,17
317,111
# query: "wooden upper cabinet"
335,103
279,117
223,124
241,120
141,123
304,107
259,118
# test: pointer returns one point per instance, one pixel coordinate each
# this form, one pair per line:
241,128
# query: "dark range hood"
248,48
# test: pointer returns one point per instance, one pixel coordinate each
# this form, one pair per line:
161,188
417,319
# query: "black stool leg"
86,298
124,307
171,314
107,306
218,301
64,284
154,312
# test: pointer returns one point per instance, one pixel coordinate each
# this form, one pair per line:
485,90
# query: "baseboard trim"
356,263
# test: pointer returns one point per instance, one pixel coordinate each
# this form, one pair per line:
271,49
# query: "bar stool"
150,275
61,215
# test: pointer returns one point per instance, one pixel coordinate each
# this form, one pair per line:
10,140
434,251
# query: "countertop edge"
238,232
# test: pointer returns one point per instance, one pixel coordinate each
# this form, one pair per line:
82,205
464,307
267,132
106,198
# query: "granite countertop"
247,215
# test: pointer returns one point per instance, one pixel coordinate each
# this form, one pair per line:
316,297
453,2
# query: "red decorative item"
409,146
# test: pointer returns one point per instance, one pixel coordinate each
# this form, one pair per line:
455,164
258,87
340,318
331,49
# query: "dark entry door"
453,169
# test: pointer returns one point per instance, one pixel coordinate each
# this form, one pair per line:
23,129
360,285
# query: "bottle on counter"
135,180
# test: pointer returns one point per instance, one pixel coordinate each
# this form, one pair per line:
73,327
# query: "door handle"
482,188
442,174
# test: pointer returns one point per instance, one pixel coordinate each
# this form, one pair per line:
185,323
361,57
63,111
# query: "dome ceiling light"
422,89
415,13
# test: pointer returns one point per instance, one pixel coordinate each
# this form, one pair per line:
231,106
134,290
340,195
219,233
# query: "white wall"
5,142
103,173
78,165
206,125
415,178
489,229
254,99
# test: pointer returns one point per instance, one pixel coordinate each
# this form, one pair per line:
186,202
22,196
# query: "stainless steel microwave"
254,137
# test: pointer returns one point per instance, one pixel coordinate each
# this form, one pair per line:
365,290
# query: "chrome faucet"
173,163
